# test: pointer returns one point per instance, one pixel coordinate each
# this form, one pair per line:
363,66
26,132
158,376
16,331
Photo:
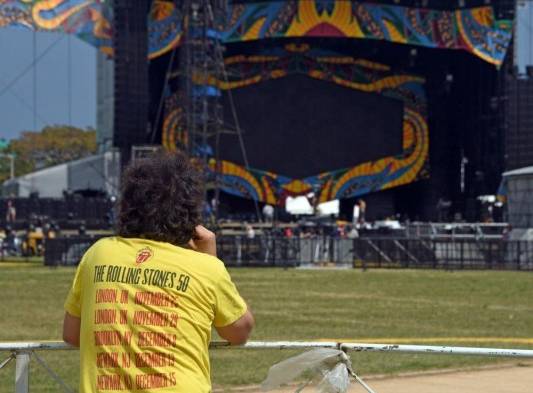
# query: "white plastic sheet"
336,380
329,366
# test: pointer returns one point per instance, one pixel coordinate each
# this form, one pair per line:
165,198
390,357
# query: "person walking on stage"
356,213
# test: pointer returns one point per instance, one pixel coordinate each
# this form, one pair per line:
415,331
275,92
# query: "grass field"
415,306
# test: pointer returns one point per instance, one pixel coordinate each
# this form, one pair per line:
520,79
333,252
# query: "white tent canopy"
519,186
99,172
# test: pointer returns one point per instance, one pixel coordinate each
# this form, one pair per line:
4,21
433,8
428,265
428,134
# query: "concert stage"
398,105
401,103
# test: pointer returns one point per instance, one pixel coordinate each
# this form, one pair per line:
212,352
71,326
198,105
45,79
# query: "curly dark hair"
161,199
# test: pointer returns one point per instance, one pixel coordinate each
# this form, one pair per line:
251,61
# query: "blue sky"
16,103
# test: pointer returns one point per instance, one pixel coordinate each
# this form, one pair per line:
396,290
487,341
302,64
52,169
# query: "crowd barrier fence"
363,252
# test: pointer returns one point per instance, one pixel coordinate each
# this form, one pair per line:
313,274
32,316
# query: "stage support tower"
201,63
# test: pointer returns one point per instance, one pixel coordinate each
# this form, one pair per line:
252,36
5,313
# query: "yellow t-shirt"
146,312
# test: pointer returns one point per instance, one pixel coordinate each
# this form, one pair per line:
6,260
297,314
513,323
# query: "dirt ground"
509,379
505,380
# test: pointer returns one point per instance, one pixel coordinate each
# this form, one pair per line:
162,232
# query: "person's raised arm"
239,331
204,241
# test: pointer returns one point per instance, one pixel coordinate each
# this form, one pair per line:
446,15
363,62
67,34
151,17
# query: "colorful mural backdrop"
89,20
475,30
360,74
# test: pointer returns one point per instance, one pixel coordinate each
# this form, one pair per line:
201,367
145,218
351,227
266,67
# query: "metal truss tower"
201,69
201,65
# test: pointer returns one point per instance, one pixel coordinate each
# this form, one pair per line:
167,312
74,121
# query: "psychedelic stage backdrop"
475,30
353,73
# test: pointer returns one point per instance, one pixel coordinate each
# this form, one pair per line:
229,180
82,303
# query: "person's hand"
204,241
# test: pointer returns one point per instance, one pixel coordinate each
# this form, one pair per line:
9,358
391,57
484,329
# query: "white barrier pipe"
30,346
358,347
437,350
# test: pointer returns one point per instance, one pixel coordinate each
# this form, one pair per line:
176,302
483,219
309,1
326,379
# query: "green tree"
51,146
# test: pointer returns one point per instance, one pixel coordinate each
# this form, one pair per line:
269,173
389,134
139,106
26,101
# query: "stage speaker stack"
130,42
519,116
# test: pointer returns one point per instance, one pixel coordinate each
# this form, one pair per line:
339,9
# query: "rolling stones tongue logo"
143,255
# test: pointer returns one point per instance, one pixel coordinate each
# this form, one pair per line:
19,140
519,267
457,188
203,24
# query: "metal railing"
363,252
22,352
451,254
67,251
457,230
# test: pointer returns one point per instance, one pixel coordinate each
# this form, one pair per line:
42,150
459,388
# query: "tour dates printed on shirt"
119,318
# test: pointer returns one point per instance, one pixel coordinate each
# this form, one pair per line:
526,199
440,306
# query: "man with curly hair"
143,303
